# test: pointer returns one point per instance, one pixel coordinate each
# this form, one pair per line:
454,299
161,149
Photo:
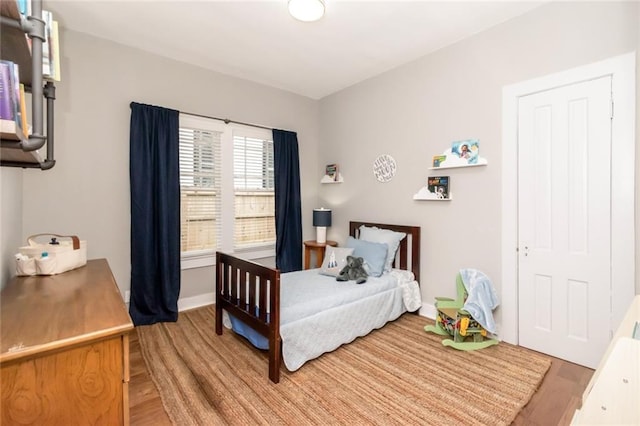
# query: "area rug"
397,375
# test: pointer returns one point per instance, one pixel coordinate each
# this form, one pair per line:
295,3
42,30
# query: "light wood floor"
553,404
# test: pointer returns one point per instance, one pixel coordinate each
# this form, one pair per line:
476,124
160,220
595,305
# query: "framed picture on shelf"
468,150
439,186
332,172
438,159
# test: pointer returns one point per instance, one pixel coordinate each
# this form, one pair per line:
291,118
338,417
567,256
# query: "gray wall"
10,220
417,110
87,192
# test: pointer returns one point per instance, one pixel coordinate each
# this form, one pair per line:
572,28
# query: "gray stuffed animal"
353,270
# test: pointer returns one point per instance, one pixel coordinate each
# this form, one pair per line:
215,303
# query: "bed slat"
263,285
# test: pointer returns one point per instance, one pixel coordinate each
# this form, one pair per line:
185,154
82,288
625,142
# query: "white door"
564,221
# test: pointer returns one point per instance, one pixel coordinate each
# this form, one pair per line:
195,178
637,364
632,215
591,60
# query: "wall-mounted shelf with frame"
463,153
481,162
438,188
424,195
332,174
329,179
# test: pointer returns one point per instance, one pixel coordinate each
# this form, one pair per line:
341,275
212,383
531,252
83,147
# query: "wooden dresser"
65,349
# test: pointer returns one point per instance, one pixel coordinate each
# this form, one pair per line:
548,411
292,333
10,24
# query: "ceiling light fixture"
306,10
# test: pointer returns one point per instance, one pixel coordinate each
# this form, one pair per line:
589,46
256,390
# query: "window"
200,189
227,193
254,192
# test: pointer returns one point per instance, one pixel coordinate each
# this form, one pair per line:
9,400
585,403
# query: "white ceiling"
259,41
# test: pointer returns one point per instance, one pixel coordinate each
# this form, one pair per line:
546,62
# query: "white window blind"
200,190
227,190
254,195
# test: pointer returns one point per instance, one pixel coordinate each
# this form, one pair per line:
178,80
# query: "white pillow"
390,238
334,260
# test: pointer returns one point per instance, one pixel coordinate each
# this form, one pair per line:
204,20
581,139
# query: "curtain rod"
227,121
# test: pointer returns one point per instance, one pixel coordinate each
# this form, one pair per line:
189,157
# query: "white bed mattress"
319,314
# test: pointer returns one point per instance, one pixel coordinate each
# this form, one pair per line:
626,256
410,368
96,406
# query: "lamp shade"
321,217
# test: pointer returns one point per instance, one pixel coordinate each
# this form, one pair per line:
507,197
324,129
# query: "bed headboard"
408,256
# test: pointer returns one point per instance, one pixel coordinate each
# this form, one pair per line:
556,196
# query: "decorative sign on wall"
384,168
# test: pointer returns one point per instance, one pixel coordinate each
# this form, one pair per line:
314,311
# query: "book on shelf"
23,112
23,7
12,99
55,51
438,159
6,105
47,17
439,185
332,171
11,91
15,84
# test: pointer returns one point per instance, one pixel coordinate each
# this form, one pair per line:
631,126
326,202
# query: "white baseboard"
198,301
428,310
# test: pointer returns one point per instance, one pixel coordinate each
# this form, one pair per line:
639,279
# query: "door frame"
622,69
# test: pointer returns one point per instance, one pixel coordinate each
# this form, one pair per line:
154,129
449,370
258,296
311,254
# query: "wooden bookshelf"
16,149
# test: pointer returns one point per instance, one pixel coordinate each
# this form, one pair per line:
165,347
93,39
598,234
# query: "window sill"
198,261
256,253
203,260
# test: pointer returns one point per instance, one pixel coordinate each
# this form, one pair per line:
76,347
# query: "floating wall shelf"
329,179
425,195
463,153
481,162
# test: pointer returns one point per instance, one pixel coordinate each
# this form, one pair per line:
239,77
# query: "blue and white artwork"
466,150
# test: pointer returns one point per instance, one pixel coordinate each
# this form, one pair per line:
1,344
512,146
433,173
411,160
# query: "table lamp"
321,219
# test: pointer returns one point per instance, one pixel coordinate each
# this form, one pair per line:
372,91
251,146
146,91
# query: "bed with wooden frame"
251,292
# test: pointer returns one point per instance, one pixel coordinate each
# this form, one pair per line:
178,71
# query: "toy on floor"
467,318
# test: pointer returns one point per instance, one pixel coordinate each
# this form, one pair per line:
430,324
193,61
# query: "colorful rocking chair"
453,321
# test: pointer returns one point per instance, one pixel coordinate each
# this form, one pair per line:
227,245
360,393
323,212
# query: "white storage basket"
54,257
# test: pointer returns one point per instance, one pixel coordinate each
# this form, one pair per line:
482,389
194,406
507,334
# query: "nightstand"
318,249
